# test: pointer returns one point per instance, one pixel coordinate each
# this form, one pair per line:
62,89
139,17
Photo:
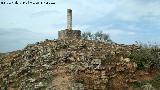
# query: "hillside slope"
70,65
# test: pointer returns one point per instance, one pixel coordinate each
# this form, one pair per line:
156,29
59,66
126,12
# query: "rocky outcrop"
68,65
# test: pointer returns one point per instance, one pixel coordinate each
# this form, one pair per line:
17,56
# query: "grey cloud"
14,39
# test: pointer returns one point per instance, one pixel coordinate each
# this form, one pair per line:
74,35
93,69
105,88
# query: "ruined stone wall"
69,34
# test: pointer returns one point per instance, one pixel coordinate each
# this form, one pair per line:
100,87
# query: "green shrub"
146,56
100,36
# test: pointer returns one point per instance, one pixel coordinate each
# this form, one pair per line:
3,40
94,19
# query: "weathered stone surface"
68,64
69,34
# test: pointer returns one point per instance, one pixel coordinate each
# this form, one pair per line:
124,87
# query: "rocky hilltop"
70,65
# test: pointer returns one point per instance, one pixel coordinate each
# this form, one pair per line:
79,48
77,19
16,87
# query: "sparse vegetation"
151,84
156,82
148,56
99,36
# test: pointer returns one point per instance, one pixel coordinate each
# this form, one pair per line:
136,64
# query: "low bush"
99,36
148,56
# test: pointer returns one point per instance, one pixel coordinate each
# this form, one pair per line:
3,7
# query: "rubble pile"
68,65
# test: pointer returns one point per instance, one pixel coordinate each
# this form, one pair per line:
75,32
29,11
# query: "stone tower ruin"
69,33
69,19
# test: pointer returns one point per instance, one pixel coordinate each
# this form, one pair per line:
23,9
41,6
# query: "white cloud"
124,20
131,33
46,12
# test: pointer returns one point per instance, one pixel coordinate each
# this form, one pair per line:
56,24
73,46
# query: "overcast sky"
126,21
